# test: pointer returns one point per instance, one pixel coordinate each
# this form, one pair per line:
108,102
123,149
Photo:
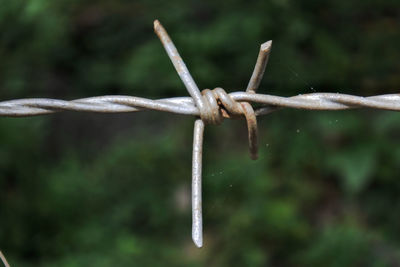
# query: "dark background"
80,189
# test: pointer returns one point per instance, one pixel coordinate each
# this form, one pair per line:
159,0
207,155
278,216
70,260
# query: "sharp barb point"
198,241
266,47
157,24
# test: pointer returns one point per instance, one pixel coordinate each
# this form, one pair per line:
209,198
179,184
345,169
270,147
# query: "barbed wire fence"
208,106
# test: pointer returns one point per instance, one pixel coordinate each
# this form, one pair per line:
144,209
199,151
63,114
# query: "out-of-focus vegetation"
113,190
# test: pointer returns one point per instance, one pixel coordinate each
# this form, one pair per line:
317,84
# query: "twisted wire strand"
186,105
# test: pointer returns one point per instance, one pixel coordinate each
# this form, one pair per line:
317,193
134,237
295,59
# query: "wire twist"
211,106
186,105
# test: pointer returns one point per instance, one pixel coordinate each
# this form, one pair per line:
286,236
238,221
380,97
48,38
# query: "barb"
179,65
259,68
212,106
197,216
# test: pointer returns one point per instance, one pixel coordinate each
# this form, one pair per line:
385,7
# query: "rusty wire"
210,106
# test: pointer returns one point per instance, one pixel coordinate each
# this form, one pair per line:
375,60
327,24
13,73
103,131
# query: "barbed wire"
212,106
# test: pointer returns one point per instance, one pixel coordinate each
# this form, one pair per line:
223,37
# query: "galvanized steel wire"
186,105
210,106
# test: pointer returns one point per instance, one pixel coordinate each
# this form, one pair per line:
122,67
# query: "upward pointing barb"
179,65
259,68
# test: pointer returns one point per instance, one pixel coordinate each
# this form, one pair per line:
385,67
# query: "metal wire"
3,259
186,105
212,106
197,214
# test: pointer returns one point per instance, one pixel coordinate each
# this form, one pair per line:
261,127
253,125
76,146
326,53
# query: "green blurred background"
79,189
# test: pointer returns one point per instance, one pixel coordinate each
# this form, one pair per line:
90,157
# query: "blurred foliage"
114,190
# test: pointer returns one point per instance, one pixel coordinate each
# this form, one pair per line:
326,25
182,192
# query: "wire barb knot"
217,104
